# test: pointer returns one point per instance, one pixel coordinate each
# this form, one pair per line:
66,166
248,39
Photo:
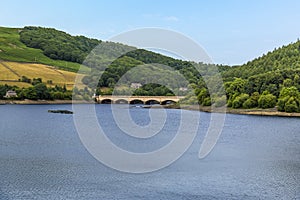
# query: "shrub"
267,101
239,100
289,99
252,102
220,101
249,103
207,101
291,105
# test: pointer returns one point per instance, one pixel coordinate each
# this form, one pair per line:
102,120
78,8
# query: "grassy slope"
11,72
12,49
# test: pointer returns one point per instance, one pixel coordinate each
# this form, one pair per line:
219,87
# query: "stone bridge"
147,100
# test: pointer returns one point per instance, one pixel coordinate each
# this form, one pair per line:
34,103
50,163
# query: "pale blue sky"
231,31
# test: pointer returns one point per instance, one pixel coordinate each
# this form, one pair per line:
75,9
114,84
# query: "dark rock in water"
61,111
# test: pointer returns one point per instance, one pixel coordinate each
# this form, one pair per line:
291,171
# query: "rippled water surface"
42,157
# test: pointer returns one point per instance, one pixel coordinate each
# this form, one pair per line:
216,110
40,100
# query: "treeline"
151,89
238,95
267,82
274,76
38,91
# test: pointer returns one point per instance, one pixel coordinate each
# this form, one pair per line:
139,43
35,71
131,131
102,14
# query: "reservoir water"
42,157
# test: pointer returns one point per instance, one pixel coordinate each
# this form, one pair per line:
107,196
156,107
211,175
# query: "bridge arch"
151,101
136,101
166,102
106,101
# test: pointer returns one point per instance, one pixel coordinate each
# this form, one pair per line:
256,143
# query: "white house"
135,85
10,94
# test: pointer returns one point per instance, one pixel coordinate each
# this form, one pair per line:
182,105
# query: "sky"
231,31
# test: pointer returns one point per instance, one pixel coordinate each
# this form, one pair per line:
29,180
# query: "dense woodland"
269,81
58,45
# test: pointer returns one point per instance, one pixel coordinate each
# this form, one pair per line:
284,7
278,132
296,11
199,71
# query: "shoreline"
256,111
209,109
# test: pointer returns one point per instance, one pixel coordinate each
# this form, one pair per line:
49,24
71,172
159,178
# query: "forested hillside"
58,45
269,81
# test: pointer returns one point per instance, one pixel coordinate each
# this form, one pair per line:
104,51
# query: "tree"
25,79
57,95
236,87
36,81
233,90
267,100
252,102
206,101
111,82
239,100
203,94
98,91
291,105
288,82
220,101
296,80
289,99
50,82
28,93
41,91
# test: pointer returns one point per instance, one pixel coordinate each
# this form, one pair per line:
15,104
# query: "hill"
282,58
12,49
268,81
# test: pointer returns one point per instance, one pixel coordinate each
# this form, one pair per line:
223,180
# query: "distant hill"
265,82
